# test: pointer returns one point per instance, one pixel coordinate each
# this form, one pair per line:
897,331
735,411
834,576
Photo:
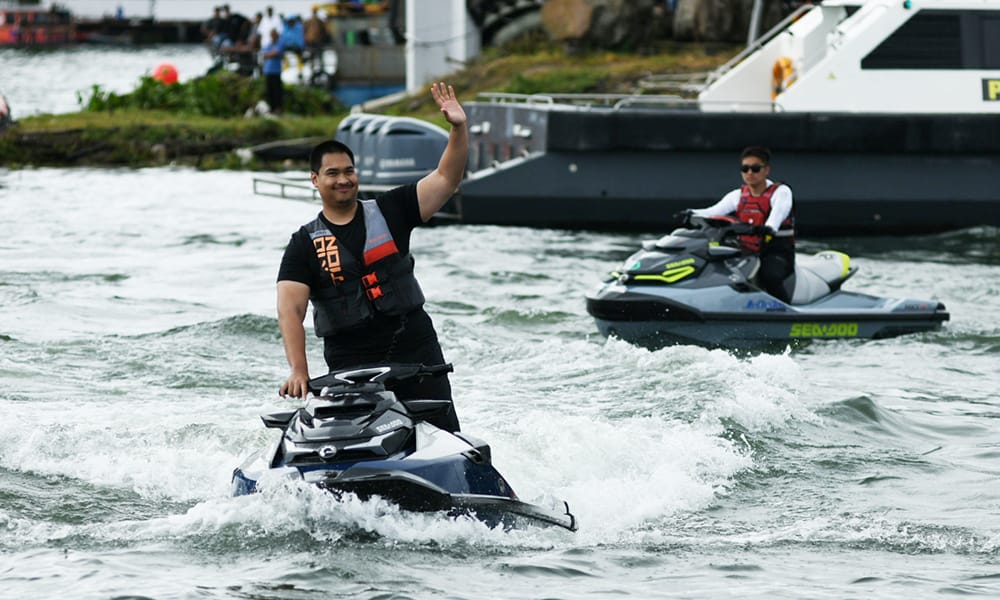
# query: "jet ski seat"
817,275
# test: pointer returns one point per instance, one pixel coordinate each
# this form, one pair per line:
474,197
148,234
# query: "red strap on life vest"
381,251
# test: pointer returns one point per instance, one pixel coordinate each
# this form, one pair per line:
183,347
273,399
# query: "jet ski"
353,435
696,286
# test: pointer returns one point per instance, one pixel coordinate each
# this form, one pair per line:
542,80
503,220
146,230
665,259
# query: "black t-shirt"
402,214
401,339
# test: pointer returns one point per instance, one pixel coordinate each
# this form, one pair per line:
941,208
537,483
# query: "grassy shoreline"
119,135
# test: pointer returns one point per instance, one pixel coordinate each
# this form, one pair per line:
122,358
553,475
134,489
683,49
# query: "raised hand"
444,95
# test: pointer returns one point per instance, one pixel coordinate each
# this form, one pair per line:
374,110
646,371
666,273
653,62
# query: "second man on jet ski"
769,206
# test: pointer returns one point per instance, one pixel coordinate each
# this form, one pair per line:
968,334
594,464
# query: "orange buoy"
165,73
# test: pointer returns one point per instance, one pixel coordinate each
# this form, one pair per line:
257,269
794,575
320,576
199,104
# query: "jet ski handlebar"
725,222
376,376
720,227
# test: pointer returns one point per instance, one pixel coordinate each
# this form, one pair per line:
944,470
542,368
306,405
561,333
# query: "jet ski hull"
751,319
354,436
476,490
697,286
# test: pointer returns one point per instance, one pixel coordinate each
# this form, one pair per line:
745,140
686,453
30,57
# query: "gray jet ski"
695,286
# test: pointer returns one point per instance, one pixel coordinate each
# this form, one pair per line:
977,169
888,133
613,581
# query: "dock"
128,32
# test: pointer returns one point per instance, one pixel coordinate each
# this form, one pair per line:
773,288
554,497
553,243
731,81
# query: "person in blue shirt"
293,39
271,56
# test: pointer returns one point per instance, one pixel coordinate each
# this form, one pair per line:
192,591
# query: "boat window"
941,39
991,43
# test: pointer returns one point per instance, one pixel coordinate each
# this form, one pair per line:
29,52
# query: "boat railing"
624,101
740,106
612,101
585,99
301,188
757,44
288,188
654,101
681,84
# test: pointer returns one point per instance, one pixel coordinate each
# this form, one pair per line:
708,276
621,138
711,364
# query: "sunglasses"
754,168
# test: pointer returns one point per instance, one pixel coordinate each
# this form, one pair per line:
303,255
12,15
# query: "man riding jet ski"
696,286
355,436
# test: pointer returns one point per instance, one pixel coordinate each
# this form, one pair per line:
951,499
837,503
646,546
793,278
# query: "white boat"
890,57
883,116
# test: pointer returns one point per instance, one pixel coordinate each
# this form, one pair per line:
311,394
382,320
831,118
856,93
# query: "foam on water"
621,462
137,361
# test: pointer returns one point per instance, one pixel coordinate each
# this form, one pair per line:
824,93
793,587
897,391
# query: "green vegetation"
222,94
202,121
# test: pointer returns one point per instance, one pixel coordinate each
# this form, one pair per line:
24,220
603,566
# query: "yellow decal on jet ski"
991,90
823,330
669,275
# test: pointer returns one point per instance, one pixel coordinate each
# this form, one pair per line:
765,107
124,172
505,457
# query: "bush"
215,95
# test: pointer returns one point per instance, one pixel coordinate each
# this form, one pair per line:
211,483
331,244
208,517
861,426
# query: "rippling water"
55,81
138,345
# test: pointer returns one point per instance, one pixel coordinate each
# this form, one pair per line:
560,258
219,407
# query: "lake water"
139,345
52,82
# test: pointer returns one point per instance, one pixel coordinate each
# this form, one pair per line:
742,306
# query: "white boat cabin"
875,56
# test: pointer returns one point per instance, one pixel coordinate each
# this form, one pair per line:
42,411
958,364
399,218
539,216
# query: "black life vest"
755,210
387,286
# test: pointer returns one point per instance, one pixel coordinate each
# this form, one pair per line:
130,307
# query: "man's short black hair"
757,152
327,147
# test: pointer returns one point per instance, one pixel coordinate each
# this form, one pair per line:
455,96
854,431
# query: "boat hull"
632,169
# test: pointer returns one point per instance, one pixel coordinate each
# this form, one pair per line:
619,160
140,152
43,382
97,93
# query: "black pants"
777,268
434,388
275,92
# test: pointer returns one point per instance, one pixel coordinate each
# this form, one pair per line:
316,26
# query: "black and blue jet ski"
695,286
353,435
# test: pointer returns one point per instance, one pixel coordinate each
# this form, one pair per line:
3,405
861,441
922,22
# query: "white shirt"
266,25
781,205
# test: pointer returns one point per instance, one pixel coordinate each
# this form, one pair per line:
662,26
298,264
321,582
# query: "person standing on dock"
769,206
353,263
317,37
271,56
268,23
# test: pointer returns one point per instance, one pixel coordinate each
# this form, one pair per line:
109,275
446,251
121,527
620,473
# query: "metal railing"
612,101
757,43
281,187
289,188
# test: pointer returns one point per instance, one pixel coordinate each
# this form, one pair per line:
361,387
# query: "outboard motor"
345,133
356,138
406,149
366,163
